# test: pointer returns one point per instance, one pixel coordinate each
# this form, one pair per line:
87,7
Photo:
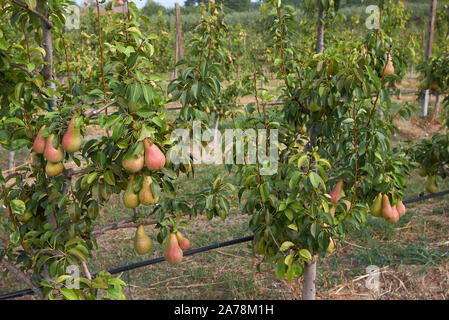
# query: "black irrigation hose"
140,264
422,197
185,253
217,245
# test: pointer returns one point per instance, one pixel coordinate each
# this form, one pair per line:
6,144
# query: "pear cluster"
173,246
154,159
53,151
382,208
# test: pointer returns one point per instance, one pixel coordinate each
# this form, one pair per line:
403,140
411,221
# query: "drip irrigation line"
422,197
185,253
141,264
132,266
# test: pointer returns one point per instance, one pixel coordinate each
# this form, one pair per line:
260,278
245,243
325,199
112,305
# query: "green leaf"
288,259
286,245
92,177
280,270
99,283
69,294
305,254
62,278
18,206
315,179
109,177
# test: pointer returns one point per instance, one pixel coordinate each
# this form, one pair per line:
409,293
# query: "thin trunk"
11,162
437,106
47,72
308,285
320,29
433,7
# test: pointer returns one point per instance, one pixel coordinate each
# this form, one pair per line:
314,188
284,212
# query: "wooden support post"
433,7
179,50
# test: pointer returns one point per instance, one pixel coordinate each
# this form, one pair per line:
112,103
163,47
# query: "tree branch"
38,14
19,275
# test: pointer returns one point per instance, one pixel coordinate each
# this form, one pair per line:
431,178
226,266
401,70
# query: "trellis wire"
132,266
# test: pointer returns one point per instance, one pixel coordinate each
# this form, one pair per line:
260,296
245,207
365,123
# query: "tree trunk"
436,111
320,29
433,7
47,72
11,162
308,283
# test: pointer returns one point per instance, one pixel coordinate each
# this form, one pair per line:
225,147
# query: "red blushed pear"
172,251
51,153
184,243
154,158
39,142
390,214
401,208
337,192
72,140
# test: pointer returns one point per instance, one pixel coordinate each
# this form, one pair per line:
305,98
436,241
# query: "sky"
141,3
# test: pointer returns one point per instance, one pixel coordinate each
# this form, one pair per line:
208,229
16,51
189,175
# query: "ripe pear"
401,208
130,199
337,192
133,163
53,169
431,186
376,207
51,153
154,158
146,195
172,251
39,142
72,140
389,68
142,243
184,243
331,247
388,212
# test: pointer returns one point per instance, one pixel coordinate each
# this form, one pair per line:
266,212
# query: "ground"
412,255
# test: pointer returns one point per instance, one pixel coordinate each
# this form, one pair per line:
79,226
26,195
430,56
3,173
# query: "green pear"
432,186
376,207
142,243
130,199
146,195
132,163
53,169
